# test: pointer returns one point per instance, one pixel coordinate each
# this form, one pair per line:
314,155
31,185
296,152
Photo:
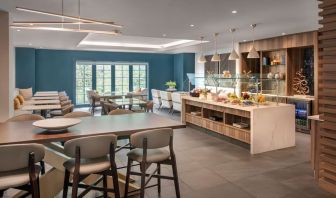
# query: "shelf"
241,129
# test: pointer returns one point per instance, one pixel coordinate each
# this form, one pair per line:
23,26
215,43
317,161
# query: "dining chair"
120,112
121,138
65,103
63,98
91,155
108,107
177,102
156,98
18,169
29,117
62,93
150,147
65,110
94,100
166,99
77,114
25,117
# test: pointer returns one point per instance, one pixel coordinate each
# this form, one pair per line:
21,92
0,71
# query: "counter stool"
151,147
18,169
29,117
91,155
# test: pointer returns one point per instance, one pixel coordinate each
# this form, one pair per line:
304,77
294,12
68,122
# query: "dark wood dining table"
121,125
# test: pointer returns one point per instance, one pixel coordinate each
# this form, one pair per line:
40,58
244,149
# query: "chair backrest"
157,138
77,114
16,156
63,98
89,95
108,107
25,117
65,103
176,97
90,147
120,112
165,95
67,109
155,93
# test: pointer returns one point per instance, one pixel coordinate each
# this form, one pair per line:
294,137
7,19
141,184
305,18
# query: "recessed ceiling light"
29,44
283,33
244,40
31,24
41,47
192,25
234,11
164,35
18,30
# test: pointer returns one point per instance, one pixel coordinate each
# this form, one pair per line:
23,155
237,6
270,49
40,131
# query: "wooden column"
326,134
6,68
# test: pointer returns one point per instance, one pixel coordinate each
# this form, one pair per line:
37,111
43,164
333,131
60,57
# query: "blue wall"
25,59
54,69
183,63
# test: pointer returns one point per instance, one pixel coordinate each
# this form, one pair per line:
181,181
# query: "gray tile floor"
210,167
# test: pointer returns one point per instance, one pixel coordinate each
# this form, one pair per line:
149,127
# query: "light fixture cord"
79,13
62,14
216,43
201,46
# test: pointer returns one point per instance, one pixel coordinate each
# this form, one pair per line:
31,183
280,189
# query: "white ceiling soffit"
134,42
153,18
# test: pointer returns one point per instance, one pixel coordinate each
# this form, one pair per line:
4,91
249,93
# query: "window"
122,79
139,76
83,83
103,78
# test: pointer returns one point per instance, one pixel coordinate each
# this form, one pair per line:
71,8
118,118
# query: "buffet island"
260,127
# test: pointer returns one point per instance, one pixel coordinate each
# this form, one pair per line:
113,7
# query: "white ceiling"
144,20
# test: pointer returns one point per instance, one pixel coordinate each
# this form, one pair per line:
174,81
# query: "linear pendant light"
202,59
78,21
233,55
253,52
215,57
112,24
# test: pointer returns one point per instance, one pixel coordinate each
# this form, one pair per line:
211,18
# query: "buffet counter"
264,127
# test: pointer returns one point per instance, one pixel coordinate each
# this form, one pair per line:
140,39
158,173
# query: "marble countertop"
240,107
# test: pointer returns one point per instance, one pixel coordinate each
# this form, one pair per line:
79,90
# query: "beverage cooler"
303,109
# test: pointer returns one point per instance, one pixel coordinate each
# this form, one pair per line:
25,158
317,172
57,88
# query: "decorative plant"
171,84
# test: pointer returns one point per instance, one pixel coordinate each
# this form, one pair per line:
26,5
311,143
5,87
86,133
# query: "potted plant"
171,84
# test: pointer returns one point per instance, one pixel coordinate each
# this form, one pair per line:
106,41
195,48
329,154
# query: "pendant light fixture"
233,55
201,59
45,25
253,52
215,57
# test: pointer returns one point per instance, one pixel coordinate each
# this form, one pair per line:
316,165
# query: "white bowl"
56,123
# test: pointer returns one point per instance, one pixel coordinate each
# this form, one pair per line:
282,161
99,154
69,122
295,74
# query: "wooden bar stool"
91,155
18,169
150,147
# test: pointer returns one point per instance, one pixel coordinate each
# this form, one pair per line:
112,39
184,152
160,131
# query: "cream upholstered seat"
65,110
108,107
153,155
152,147
90,155
25,117
120,112
17,167
89,166
77,114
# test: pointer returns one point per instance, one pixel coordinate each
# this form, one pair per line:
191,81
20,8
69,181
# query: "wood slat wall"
326,138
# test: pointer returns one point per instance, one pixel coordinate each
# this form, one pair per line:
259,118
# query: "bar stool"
150,147
91,155
18,169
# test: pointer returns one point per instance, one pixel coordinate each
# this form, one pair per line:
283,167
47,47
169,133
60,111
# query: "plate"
56,123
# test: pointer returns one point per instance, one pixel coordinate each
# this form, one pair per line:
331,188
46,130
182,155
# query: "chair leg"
115,180
128,171
2,193
159,179
176,181
42,167
66,183
75,182
105,185
35,189
143,180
